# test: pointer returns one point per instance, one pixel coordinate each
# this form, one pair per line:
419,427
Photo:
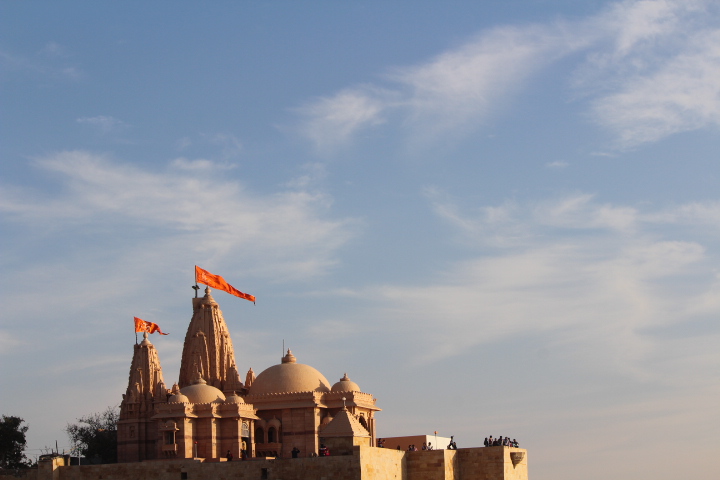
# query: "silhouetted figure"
295,452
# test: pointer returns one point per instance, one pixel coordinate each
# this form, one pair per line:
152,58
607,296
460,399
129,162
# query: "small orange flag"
216,281
150,327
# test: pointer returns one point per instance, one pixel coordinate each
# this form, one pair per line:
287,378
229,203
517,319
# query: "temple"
210,411
279,424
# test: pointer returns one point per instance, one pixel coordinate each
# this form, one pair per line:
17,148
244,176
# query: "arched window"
363,422
245,430
272,435
259,435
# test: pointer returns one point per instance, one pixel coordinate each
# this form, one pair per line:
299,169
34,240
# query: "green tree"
95,435
12,443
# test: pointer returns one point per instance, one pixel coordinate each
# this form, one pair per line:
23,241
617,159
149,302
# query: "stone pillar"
184,438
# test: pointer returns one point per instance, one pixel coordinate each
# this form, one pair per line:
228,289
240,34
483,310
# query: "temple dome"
234,398
202,393
346,385
288,377
178,398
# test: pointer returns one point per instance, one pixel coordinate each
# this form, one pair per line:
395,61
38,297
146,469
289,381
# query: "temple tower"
208,344
137,433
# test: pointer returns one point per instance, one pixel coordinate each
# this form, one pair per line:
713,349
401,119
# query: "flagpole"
196,287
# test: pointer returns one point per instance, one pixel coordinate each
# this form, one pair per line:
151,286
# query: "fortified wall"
365,463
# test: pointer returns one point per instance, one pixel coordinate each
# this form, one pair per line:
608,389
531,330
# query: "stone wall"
493,462
365,463
382,464
432,465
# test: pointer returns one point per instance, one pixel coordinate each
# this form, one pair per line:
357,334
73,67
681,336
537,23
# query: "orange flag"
216,281
150,327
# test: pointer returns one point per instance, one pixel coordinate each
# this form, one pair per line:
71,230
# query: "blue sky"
500,218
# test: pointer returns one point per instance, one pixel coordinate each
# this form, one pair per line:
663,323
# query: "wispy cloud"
50,61
446,93
656,73
333,121
465,85
190,207
591,277
557,164
103,123
647,70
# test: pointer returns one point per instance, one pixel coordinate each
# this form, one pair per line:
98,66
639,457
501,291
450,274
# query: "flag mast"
196,287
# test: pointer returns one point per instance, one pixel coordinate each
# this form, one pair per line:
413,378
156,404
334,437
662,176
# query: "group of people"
500,442
413,448
425,446
323,451
243,454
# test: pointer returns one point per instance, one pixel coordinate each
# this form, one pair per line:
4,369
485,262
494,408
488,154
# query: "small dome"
202,393
234,398
178,398
346,385
289,376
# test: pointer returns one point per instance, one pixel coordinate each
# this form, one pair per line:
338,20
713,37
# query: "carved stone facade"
210,412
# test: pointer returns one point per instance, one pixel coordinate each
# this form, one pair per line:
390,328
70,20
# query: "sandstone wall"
382,464
318,468
365,463
491,463
432,465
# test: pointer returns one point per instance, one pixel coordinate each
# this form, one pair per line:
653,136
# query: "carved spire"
232,383
208,344
145,383
249,378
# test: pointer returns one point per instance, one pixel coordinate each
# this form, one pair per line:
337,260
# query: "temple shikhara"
210,411
287,423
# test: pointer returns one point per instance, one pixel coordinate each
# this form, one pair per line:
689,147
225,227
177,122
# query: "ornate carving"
208,343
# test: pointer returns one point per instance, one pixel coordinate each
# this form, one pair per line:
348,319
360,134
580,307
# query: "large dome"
200,391
289,376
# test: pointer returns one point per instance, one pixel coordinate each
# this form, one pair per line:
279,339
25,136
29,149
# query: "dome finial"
208,299
289,358
198,376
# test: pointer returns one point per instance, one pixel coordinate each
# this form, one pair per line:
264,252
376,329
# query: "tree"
12,443
95,435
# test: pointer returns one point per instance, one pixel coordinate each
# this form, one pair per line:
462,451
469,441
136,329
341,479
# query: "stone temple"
289,410
210,411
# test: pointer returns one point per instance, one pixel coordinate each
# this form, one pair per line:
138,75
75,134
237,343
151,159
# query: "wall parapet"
364,463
